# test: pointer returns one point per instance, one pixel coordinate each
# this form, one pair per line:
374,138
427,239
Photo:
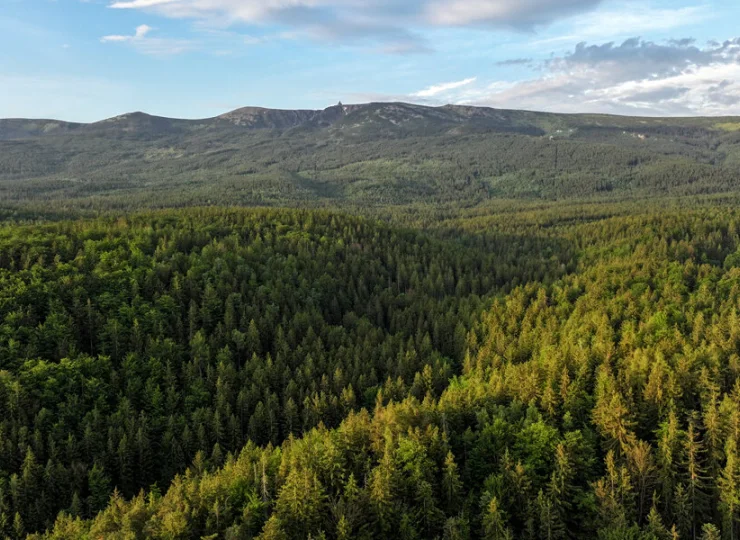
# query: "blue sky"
89,60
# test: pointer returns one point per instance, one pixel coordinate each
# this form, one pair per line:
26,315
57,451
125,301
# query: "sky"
86,60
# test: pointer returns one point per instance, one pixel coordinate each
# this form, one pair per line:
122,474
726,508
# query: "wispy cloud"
636,19
524,14
141,40
515,62
396,23
141,32
633,19
438,89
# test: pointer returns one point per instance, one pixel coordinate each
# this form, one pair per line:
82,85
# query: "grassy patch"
728,126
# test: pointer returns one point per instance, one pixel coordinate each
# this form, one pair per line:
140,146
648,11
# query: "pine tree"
494,523
76,508
19,529
382,486
710,532
99,486
682,511
694,477
728,485
300,502
655,526
560,490
451,484
642,468
31,490
550,524
456,528
614,494
668,454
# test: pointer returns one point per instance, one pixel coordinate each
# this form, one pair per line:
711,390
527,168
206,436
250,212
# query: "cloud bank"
388,21
634,77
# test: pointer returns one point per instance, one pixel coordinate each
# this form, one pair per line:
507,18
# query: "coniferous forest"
552,365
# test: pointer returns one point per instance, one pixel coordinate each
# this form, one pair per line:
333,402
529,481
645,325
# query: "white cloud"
149,45
703,91
139,34
517,13
636,77
400,24
442,88
388,21
142,31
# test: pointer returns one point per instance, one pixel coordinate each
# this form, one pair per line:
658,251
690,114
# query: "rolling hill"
371,154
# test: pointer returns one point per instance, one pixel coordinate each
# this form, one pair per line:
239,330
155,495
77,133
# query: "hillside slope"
378,153
129,346
600,399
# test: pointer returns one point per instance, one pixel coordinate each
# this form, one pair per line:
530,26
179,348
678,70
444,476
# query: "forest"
360,156
509,366
562,372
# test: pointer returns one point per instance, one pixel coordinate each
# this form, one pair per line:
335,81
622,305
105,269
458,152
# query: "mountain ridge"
373,153
256,117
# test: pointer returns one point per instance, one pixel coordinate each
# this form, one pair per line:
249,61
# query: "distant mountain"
376,153
18,128
259,118
394,116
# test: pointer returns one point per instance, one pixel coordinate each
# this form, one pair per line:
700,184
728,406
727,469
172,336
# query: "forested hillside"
568,371
368,155
133,347
478,324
